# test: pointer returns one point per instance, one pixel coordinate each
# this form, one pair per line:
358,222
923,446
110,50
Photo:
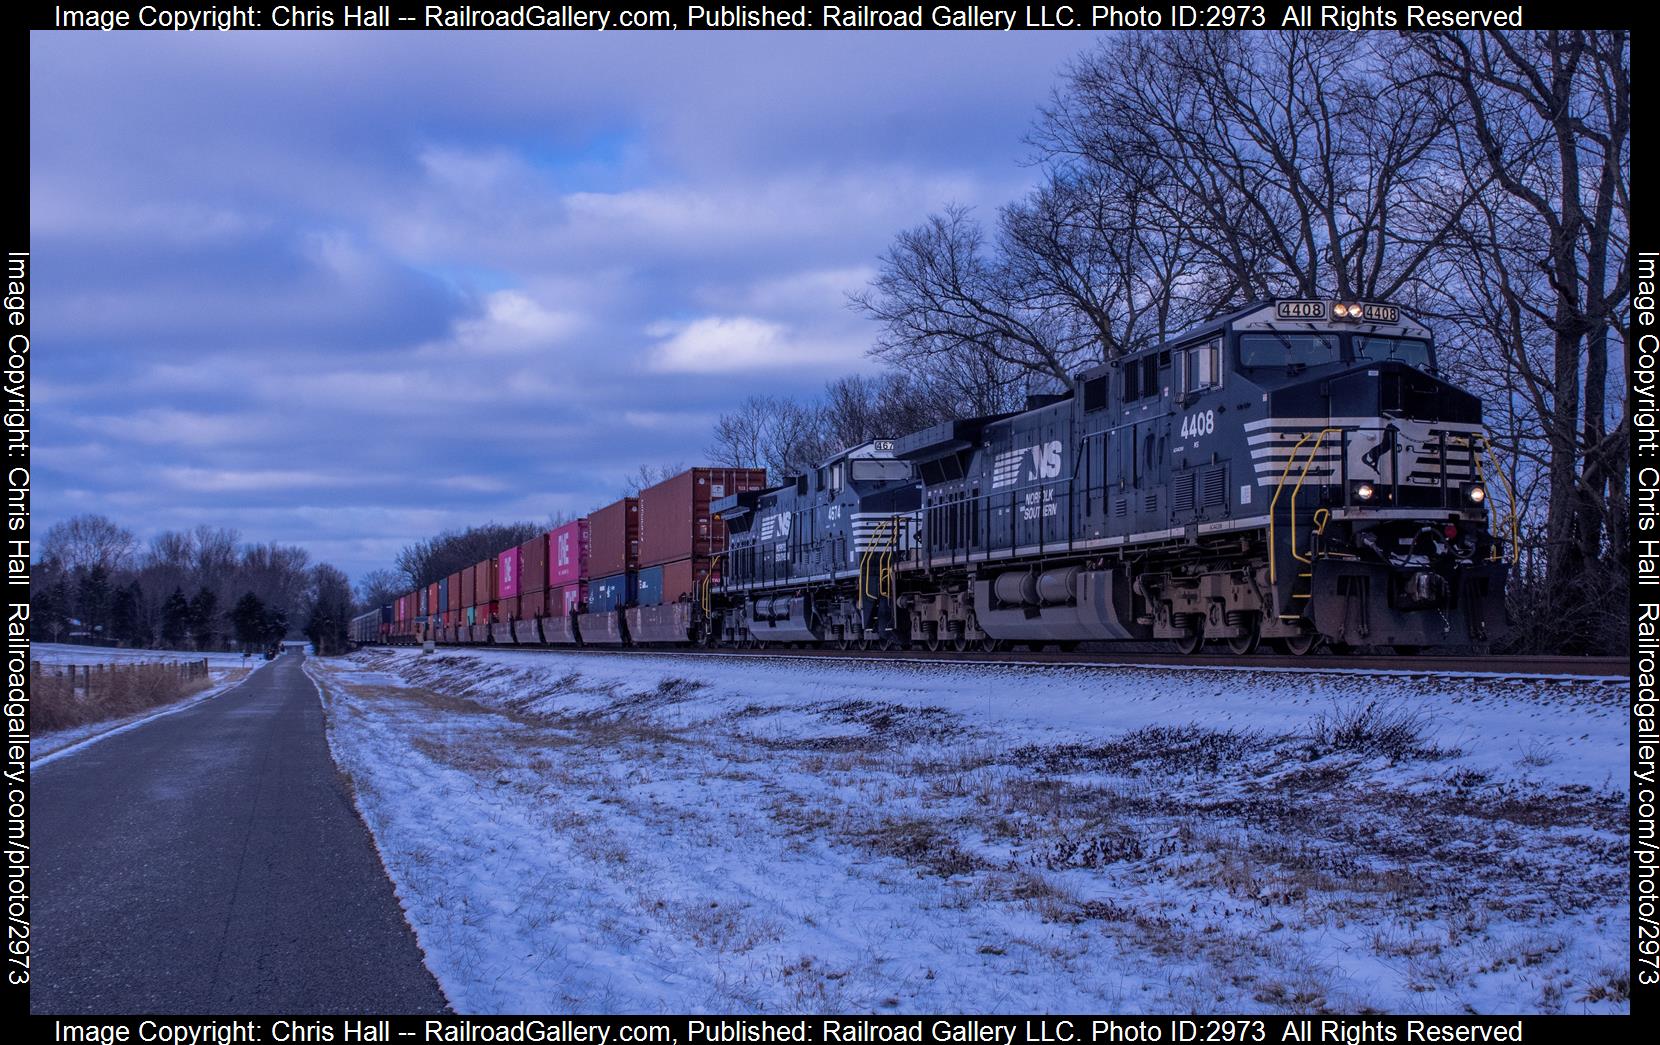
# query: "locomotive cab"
813,559
1370,469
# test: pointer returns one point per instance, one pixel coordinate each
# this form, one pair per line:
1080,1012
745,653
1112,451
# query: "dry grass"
64,701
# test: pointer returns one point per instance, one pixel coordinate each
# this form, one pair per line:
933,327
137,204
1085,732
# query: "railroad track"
1455,664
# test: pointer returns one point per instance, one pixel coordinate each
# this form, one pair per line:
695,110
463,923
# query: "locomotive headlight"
1476,493
1365,491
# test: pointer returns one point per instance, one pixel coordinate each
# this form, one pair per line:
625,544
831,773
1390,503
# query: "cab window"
1287,349
1408,350
1202,365
880,471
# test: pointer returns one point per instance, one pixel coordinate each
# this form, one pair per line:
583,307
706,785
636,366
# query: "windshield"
1405,349
1287,349
880,471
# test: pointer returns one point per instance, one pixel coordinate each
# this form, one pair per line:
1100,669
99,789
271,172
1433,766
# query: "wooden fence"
87,679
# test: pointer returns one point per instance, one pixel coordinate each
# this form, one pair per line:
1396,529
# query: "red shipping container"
469,587
684,579
614,538
533,565
484,582
568,554
507,574
531,605
454,584
674,514
432,598
563,601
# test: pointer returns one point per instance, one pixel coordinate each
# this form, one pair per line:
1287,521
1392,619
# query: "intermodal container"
533,564
446,595
508,574
683,579
568,599
675,522
611,593
468,587
568,554
614,538
484,582
529,605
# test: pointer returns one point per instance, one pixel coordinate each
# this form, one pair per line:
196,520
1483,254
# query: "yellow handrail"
1312,454
1509,494
1273,505
885,583
708,582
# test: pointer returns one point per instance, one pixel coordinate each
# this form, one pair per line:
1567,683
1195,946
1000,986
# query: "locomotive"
1297,472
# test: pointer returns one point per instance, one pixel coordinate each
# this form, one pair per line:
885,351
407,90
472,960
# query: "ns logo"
1046,461
1032,464
775,526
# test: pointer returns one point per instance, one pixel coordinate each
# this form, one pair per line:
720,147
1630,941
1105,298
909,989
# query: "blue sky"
346,290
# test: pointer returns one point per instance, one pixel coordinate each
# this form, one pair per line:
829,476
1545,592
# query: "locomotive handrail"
1273,505
709,580
1509,494
1313,453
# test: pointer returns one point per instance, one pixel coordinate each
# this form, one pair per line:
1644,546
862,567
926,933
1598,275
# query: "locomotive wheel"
1247,643
960,643
1300,646
844,640
990,645
1189,644
931,638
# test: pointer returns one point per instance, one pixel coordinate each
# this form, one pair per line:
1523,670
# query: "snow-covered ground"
63,653
224,671
592,832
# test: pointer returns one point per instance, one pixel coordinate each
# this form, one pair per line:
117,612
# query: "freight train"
1296,473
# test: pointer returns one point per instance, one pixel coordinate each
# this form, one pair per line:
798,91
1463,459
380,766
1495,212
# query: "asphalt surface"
211,861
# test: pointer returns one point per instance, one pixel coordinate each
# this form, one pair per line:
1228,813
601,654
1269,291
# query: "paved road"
211,861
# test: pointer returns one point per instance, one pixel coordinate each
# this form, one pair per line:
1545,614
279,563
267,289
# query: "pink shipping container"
508,565
568,550
562,602
614,538
675,522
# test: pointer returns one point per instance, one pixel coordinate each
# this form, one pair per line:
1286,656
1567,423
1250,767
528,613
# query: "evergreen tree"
175,620
204,618
92,600
250,622
126,615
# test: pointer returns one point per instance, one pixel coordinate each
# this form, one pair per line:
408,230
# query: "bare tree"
1545,261
85,541
650,475
379,587
425,562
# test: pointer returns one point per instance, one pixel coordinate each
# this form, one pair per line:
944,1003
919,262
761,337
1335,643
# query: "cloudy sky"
346,290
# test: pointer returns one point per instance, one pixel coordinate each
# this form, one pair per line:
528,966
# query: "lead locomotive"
1296,471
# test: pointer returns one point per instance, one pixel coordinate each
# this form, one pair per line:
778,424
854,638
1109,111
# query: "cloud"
349,289
736,344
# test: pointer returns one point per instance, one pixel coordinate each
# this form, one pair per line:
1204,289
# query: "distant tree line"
203,589
1482,180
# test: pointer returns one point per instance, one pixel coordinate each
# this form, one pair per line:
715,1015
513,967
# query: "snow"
64,653
225,670
592,832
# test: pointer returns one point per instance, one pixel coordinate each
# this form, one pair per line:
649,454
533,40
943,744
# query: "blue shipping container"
648,589
443,597
612,593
